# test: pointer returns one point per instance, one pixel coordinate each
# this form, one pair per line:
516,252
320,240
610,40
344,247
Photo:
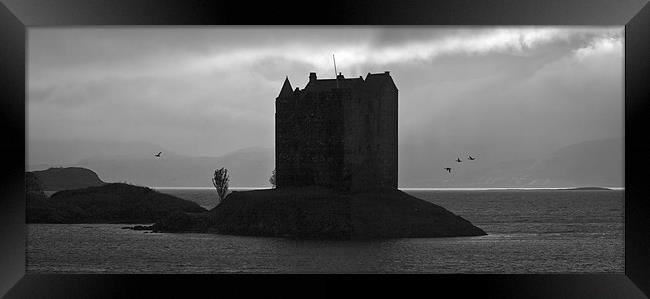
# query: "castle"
338,133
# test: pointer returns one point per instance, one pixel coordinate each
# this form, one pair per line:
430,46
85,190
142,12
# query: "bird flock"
458,160
448,169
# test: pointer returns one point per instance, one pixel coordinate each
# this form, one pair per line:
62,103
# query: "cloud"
604,45
206,91
516,41
133,58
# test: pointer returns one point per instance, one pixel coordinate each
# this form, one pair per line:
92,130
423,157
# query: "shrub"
220,181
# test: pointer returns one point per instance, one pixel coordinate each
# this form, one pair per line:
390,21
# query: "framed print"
493,145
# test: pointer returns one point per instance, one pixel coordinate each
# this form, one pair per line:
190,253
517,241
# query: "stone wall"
370,134
309,143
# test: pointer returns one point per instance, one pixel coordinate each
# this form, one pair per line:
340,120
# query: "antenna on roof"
335,72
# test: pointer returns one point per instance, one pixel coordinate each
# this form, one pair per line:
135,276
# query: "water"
529,231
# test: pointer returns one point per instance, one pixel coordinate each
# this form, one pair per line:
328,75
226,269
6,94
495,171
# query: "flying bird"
470,157
158,154
448,169
459,160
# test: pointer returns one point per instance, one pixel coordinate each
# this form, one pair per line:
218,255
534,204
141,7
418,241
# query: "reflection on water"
529,232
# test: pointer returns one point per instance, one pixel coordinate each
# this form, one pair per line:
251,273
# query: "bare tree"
272,178
220,181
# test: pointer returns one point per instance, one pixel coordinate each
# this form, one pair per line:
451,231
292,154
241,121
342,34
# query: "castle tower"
338,133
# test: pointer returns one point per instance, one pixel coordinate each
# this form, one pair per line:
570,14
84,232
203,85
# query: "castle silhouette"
337,133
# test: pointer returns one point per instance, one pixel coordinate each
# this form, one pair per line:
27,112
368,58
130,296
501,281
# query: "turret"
286,89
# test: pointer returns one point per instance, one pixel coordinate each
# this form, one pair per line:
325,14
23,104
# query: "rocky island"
319,213
110,203
306,212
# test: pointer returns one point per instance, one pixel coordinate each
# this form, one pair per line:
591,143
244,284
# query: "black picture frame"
16,15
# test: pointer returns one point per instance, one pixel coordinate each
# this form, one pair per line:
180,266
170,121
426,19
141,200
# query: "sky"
501,92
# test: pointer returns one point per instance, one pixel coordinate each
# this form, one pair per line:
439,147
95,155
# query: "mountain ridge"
588,163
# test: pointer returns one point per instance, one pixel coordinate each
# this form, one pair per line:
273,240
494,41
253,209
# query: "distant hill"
65,178
590,163
110,203
250,167
135,163
44,153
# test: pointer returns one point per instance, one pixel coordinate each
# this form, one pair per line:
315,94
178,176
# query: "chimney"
340,76
312,76
387,72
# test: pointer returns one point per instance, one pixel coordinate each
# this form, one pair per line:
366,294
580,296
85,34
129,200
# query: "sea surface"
529,231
